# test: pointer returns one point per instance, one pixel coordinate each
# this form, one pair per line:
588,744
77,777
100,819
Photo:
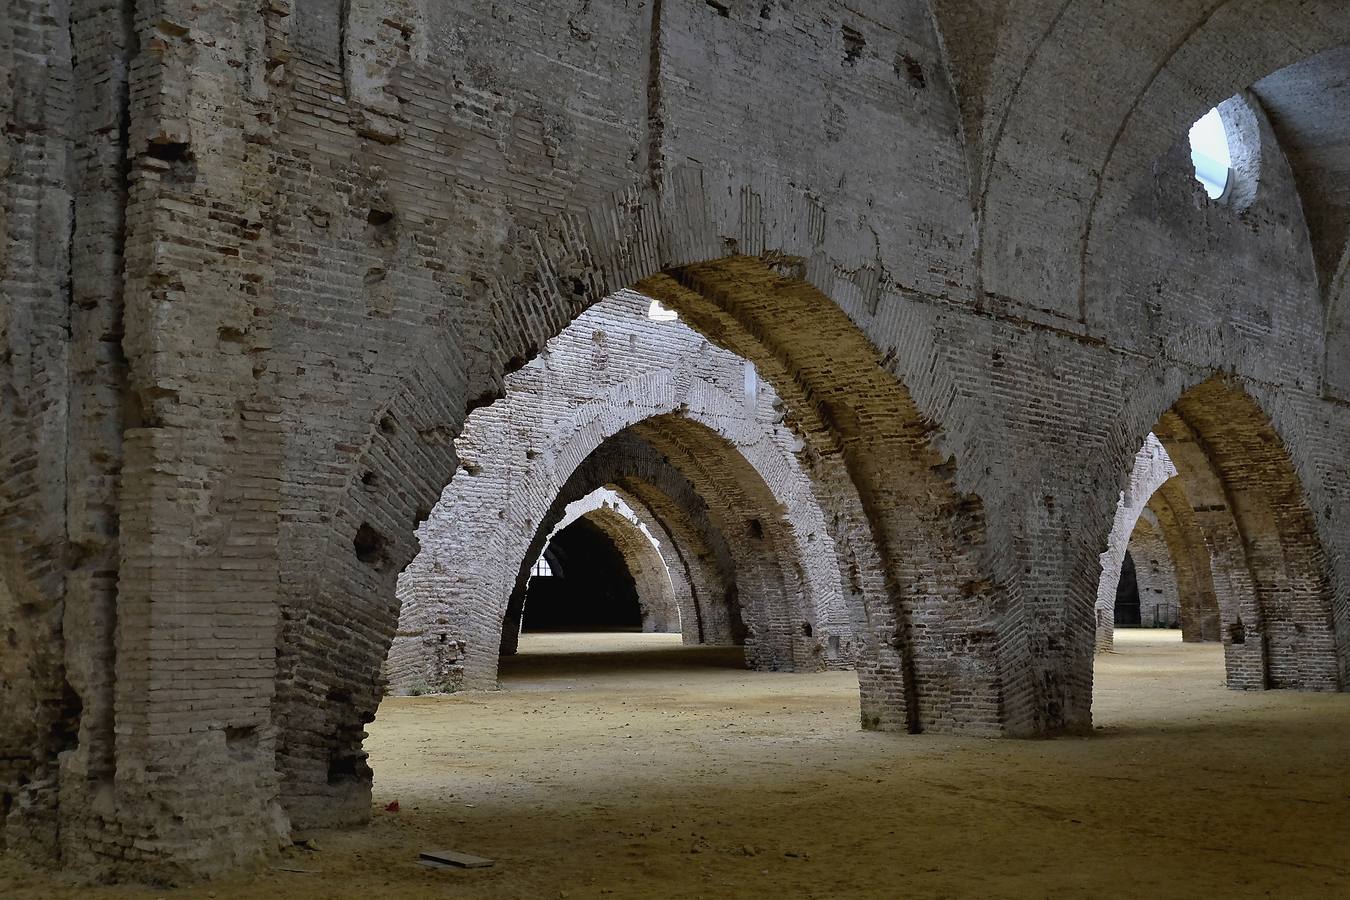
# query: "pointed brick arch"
768,599
633,469
1174,519
1277,604
664,597
652,577
934,571
862,427
1237,508
776,569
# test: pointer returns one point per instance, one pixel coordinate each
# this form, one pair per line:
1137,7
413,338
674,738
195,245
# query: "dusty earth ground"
642,769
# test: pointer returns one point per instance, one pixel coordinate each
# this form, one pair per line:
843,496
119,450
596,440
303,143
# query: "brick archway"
266,262
768,596
914,542
1155,574
1152,467
1155,499
713,477
1175,521
1154,493
1277,607
664,595
1239,497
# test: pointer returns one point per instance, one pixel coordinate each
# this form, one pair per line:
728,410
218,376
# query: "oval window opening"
1211,155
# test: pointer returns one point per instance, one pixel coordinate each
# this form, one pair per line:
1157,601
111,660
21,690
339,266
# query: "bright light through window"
659,313
542,568
1210,154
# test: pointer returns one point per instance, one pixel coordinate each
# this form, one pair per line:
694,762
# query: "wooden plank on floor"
456,858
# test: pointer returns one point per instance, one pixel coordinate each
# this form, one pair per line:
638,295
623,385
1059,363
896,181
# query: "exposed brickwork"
245,321
716,566
1155,575
1156,522
1174,519
615,369
1152,468
657,491
862,429
39,713
1276,605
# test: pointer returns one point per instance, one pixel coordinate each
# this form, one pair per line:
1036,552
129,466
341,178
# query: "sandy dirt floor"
647,770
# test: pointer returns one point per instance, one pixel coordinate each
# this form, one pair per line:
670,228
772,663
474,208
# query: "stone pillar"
196,784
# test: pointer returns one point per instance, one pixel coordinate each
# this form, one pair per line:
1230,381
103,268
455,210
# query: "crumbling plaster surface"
318,283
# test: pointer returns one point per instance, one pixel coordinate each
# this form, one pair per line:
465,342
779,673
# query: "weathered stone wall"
961,242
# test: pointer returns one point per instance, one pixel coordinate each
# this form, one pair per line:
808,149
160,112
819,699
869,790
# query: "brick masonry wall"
1155,521
1159,602
38,710
1152,468
614,368
975,277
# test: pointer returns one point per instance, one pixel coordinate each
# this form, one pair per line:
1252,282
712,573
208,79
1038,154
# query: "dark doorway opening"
1127,594
588,586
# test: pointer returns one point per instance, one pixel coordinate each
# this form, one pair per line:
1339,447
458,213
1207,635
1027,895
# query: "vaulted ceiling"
1308,104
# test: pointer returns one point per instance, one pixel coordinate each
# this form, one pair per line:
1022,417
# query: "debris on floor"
453,858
